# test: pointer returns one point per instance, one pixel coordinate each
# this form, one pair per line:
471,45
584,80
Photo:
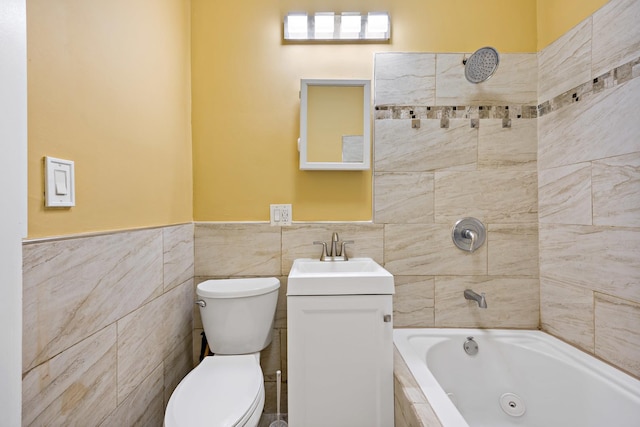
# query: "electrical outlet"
280,215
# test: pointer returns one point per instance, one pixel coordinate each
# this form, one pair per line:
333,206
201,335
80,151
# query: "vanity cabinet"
340,360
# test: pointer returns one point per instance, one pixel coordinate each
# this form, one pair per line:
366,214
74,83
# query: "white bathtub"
555,384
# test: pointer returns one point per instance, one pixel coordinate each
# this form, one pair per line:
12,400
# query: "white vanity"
340,344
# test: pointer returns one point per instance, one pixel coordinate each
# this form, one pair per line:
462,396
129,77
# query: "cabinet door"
340,361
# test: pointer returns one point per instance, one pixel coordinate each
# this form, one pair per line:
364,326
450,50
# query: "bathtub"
517,378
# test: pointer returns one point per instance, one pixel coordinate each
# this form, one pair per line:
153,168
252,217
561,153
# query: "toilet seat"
222,391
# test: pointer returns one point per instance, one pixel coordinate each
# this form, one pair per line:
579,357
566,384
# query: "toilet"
227,389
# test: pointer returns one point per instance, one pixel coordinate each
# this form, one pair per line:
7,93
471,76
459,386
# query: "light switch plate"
280,214
59,183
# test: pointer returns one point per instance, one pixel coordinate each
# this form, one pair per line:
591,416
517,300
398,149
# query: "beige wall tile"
178,315
75,287
616,37
404,378
513,249
143,407
596,127
281,307
515,81
404,78
617,324
270,358
75,387
567,312
489,195
512,302
400,418
565,194
413,302
403,198
228,249
427,250
565,63
270,399
515,147
177,364
603,259
411,407
150,334
297,241
616,191
399,148
141,338
178,254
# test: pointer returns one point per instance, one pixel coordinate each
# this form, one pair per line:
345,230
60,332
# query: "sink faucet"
336,250
480,299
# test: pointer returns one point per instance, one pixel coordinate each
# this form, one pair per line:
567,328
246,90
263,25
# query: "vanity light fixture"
330,26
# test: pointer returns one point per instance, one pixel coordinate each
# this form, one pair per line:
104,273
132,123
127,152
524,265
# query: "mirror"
335,124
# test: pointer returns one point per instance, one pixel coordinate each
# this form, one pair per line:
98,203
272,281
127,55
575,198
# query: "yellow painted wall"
109,88
245,95
557,17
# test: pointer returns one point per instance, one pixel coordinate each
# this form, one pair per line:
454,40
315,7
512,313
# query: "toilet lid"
218,392
235,288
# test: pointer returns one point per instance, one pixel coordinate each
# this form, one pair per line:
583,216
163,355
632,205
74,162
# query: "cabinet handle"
386,318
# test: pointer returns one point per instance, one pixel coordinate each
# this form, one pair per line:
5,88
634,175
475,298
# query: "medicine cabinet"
335,124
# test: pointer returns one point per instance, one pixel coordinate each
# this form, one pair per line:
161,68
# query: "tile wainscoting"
427,295
108,323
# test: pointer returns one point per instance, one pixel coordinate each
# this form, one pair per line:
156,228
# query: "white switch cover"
59,185
280,214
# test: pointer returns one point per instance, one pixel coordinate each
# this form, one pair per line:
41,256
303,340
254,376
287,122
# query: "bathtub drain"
512,404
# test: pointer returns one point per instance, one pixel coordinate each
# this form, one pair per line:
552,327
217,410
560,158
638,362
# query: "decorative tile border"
456,112
474,113
608,80
443,113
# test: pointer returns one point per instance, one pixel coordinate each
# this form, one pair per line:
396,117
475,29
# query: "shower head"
481,64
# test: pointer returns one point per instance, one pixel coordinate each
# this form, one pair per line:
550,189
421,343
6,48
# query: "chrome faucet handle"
323,256
343,249
470,234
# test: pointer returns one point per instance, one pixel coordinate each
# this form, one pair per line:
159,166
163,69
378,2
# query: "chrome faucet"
480,299
335,251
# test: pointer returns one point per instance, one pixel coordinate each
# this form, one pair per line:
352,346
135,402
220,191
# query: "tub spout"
480,299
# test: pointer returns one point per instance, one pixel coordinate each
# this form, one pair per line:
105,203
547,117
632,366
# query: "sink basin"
358,276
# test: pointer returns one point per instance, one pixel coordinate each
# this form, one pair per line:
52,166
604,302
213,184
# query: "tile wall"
107,326
589,185
472,154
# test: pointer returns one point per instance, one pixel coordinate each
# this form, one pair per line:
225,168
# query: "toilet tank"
238,314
